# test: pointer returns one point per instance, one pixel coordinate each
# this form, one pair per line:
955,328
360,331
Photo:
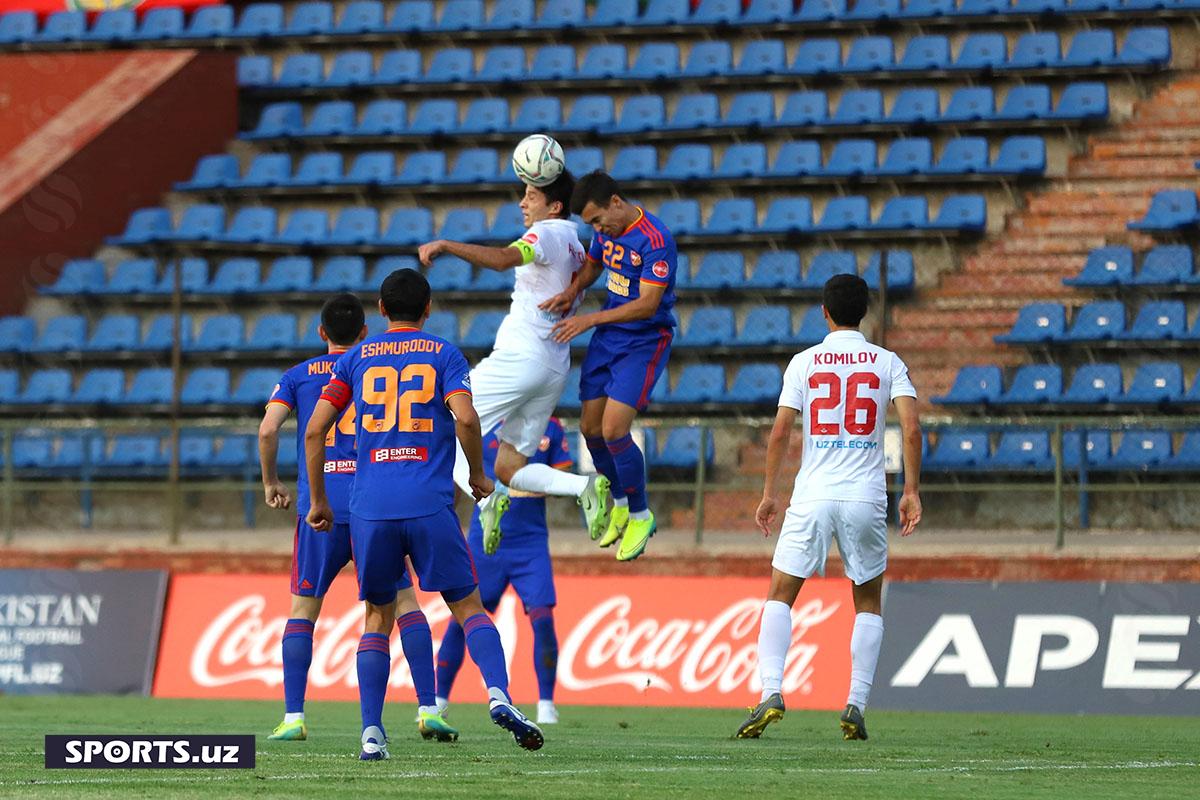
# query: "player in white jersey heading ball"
841,389
520,383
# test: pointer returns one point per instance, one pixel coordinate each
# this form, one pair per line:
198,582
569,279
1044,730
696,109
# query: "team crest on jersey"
660,269
544,445
531,238
635,258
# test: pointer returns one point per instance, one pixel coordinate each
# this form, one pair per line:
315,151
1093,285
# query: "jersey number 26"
855,405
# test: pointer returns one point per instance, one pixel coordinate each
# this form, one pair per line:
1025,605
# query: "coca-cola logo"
610,648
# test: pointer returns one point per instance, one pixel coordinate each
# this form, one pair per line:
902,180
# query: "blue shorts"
434,543
524,564
624,366
317,557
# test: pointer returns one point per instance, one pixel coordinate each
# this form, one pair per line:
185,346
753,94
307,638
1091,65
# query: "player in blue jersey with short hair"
523,561
318,556
412,392
629,351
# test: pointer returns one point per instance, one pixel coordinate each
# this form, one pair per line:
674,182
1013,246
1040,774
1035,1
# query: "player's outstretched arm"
562,302
644,307
320,515
910,429
274,492
777,445
470,436
497,258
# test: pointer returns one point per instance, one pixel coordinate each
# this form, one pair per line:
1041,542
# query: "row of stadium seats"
1113,266
867,56
360,227
848,158
959,450
1102,321
717,269
1170,211
1023,106
1154,383
259,20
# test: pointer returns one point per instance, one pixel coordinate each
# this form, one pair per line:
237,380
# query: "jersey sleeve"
559,454
339,391
532,246
455,374
596,250
792,395
901,385
284,392
658,266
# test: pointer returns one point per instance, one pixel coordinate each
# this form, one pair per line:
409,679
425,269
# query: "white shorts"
518,394
860,529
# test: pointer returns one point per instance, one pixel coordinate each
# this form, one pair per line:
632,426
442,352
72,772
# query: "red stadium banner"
664,641
44,8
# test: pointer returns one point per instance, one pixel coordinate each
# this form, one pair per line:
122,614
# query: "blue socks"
450,657
483,642
631,468
603,461
417,642
545,650
297,656
374,666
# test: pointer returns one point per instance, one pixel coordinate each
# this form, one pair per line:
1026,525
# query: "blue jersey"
644,253
526,517
299,389
400,382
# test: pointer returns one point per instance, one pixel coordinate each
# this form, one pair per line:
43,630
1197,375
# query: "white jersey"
842,388
526,330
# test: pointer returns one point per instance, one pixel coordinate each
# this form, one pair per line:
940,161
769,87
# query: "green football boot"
617,520
290,731
637,534
762,715
594,502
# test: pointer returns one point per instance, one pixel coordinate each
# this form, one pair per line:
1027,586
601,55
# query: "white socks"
864,655
428,710
544,479
288,719
774,639
621,501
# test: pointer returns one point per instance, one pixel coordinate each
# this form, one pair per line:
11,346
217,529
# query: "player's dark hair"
845,298
405,294
342,318
596,187
560,192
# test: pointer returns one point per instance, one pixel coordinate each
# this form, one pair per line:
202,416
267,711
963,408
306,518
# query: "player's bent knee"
308,608
406,602
379,617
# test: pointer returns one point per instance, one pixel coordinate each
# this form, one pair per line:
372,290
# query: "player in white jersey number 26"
840,388
517,387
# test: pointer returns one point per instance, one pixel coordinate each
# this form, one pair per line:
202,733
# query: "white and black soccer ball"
538,160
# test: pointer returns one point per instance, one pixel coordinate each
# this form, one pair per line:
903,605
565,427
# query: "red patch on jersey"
660,269
544,445
530,237
635,258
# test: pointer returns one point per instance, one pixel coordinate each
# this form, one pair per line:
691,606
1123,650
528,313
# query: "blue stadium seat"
453,65
766,57
1187,457
1154,383
157,24
255,71
858,107
200,223
475,166
820,10
449,274
655,61
1142,450
31,450
817,57
273,332
461,15
812,327
390,117
731,216
351,68
1094,48
252,224
1020,155
209,22
398,67
745,160
907,157
589,114
386,266
145,225
959,449
359,17
99,387
16,333
254,386
638,114
1018,450
62,26
974,385
766,326
845,214
1034,384
698,383
305,226
720,269
220,332
1035,51
756,384
432,117
561,15
259,20
961,212
1025,102
507,225
925,53
277,119
915,105
604,62
903,213
981,8
410,16
760,12
665,12
851,157
613,13
636,162
1039,6
236,453
694,112
192,274
204,386
969,104
802,109
288,274
443,324
1165,265
371,168
776,269
464,225
318,169
795,158
134,454
1082,102
1170,210
1097,321
873,10
681,449
310,338
17,26
149,387
267,169
710,326
1095,384
301,70
355,226
717,12
553,62
870,54
688,162
212,172
490,280
537,114
981,52
510,15
481,332
1105,266
1146,47
915,9
901,272
682,217
116,25
826,264
159,333
422,167
61,334
1037,323
582,160
46,387
78,276
1158,321
335,118
114,332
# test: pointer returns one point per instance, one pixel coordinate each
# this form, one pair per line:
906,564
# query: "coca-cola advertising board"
668,641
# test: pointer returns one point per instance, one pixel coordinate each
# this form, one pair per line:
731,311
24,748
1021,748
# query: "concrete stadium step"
1116,204
1086,225
1166,167
916,319
1143,149
1043,286
1018,267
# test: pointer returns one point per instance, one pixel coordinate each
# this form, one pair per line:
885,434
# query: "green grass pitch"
617,753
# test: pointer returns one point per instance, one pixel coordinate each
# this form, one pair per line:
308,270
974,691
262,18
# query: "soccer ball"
538,160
